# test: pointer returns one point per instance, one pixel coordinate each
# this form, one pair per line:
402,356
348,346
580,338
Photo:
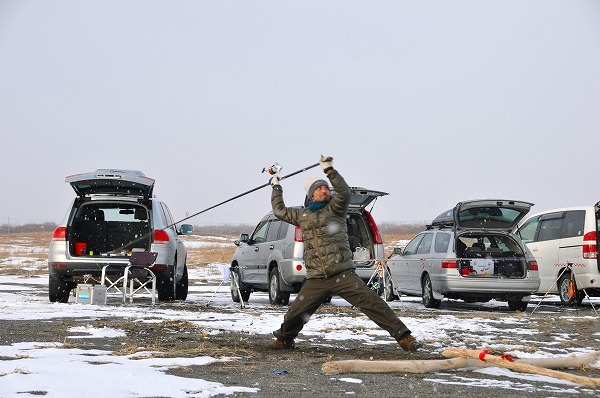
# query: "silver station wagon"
468,253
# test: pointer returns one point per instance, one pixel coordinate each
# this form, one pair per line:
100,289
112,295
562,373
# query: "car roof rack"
440,224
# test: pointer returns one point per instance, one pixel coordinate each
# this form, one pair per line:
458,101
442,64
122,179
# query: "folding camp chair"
232,282
139,275
136,276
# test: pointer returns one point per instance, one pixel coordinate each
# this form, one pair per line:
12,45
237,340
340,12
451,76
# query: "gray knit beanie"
312,184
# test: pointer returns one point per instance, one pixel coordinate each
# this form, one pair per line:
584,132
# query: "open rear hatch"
489,214
484,243
112,182
112,216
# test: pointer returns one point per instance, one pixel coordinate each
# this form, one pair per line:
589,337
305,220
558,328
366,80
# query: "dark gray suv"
271,258
113,214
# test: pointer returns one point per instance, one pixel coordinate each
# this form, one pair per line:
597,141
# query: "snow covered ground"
31,366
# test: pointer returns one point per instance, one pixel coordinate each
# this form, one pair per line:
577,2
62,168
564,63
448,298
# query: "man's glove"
326,163
274,181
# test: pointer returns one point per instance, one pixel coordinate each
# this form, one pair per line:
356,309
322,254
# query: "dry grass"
216,253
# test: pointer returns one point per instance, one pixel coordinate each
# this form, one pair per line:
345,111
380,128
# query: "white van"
564,243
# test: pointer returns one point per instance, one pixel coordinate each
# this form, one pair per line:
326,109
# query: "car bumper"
483,286
293,273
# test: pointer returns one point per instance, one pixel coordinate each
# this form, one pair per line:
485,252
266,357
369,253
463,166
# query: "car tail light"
60,233
298,235
465,271
449,264
299,267
532,265
374,229
590,250
160,236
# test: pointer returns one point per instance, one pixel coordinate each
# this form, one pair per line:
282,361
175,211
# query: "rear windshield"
469,244
112,212
488,217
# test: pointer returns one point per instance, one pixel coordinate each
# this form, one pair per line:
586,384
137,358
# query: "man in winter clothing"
328,260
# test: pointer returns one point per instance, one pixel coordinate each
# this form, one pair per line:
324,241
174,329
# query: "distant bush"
16,229
385,228
224,229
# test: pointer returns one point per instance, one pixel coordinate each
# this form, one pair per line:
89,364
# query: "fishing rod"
272,170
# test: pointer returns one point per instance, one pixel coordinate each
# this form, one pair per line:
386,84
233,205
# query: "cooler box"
90,294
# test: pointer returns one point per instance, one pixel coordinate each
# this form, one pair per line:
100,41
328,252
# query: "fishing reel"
273,170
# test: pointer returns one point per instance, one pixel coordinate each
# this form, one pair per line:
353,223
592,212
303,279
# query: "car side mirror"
186,229
244,238
398,250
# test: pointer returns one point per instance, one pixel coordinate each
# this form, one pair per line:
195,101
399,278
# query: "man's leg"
352,289
308,300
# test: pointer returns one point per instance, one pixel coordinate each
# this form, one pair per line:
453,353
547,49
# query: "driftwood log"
424,366
521,367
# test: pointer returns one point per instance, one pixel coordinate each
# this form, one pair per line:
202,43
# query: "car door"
266,250
541,235
252,256
180,249
399,266
418,262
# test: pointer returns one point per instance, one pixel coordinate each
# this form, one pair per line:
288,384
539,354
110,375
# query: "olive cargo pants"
351,288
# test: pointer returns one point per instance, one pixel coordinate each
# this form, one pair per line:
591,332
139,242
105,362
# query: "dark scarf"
316,205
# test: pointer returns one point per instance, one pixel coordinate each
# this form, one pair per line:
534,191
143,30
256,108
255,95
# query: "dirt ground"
297,373
287,373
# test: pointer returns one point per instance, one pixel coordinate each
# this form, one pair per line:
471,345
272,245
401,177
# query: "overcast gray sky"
434,102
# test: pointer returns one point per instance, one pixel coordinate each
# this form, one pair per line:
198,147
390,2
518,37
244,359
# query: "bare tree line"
385,228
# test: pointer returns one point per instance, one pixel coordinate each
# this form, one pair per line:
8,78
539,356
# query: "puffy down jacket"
326,248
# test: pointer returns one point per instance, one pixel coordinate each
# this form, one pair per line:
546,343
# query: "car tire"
564,291
517,305
235,279
427,294
276,296
181,290
58,290
388,288
166,286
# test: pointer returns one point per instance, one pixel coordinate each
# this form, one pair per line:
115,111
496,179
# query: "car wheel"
58,290
276,296
428,300
181,290
166,286
517,305
388,288
235,281
565,291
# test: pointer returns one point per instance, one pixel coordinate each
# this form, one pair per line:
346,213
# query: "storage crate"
90,294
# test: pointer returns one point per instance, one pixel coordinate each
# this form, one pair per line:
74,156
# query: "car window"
573,224
168,216
442,241
260,233
425,245
411,248
527,231
550,229
273,230
283,230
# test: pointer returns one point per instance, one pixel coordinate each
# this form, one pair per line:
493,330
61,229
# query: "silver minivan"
271,258
113,214
467,253
565,244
